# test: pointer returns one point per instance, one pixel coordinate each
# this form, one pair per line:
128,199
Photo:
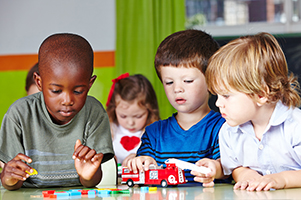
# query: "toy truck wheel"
130,183
164,183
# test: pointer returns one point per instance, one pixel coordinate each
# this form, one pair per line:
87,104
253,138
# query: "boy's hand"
129,157
14,172
86,161
207,179
264,183
137,163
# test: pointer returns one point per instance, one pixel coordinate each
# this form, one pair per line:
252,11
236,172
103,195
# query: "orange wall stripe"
17,62
104,59
25,62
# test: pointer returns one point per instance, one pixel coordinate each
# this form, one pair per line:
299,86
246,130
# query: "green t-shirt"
27,128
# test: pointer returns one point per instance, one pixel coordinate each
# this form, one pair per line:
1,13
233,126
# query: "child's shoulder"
214,117
92,102
92,108
163,122
26,102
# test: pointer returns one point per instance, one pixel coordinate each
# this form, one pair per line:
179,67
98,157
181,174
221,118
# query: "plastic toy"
33,173
171,175
186,165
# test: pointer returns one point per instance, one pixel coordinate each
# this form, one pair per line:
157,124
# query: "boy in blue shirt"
191,134
61,132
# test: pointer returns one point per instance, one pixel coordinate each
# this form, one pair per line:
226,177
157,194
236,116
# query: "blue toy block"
144,189
75,193
62,195
91,194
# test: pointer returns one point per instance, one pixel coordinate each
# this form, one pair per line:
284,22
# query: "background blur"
126,33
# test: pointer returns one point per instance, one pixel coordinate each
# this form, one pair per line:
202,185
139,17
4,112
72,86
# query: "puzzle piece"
35,172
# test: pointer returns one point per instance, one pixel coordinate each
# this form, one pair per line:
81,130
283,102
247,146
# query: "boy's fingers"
134,165
97,157
21,156
17,170
77,144
211,184
89,154
77,148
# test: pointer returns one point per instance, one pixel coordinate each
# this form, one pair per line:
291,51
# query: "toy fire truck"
171,175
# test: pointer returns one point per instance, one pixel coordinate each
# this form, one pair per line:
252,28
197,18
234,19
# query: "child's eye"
122,116
169,83
225,96
188,81
78,92
56,91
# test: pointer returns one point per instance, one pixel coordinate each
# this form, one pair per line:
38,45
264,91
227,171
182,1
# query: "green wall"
13,86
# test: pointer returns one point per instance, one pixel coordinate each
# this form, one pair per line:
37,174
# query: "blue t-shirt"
166,139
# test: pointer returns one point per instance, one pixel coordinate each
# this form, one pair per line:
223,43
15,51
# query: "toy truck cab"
171,175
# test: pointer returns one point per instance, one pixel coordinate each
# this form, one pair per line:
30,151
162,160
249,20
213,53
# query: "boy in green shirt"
61,132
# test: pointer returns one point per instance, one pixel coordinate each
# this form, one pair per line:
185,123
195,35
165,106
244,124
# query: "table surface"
219,191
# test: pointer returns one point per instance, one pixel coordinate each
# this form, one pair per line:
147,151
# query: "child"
260,143
47,129
131,106
192,133
31,86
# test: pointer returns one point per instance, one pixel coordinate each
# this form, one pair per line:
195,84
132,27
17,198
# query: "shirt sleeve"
10,139
98,136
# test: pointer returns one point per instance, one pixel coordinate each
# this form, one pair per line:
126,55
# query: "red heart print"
129,143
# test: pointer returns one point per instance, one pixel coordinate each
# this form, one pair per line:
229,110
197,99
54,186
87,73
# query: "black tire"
130,183
164,183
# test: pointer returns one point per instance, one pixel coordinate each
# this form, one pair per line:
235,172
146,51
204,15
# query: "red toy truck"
171,175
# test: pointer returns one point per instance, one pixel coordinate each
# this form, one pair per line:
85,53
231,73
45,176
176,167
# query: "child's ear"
38,80
262,97
92,79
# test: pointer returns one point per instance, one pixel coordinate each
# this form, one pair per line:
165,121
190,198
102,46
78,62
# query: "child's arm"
252,181
13,174
216,172
137,163
87,164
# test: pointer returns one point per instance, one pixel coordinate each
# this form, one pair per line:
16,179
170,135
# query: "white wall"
24,24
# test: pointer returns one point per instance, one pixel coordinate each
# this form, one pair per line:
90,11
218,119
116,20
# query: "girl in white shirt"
131,106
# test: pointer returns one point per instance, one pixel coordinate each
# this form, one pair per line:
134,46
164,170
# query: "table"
219,191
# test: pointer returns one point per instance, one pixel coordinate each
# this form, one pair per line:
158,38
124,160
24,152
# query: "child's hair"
66,47
188,48
29,78
135,87
253,65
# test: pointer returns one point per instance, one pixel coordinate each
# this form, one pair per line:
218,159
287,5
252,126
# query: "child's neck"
262,120
187,120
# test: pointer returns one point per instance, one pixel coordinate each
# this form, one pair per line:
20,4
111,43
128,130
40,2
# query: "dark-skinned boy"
61,131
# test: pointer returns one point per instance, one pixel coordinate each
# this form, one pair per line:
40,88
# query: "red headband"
122,76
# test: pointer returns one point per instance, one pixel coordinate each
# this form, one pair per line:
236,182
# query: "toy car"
171,175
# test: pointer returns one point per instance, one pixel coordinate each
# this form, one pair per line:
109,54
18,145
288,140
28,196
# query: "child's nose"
67,100
218,102
131,121
178,88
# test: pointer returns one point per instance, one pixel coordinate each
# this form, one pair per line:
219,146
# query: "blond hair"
253,65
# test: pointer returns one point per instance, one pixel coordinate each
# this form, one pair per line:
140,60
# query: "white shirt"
279,149
125,142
